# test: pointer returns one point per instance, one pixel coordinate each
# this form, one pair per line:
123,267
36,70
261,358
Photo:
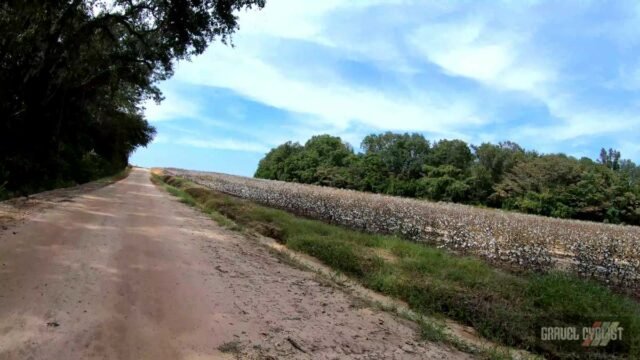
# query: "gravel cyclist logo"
601,333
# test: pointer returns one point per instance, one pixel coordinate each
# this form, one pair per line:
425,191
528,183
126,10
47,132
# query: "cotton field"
610,253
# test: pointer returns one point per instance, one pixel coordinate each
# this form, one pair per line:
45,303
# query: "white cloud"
338,104
629,150
181,135
223,144
505,59
456,48
496,58
289,19
580,120
182,105
295,19
505,54
161,139
175,106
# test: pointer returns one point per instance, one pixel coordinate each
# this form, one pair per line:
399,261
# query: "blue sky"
552,76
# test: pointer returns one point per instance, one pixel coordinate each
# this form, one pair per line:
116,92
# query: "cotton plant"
610,253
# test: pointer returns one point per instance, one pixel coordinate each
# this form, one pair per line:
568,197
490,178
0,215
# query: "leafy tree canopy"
75,73
500,175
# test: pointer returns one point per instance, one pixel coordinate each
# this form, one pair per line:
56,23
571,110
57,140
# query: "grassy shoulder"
507,308
100,181
122,174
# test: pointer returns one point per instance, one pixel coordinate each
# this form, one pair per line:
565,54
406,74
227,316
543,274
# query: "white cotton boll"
611,252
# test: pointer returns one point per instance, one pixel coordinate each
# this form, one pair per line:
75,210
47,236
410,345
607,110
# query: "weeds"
187,199
504,307
602,252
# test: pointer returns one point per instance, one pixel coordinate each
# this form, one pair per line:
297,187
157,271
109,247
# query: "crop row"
610,253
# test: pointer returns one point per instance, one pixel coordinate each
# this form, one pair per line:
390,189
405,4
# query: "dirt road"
128,272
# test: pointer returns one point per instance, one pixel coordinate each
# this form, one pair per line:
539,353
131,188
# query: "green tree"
503,175
79,71
492,162
369,173
540,185
631,172
451,152
398,158
610,159
403,155
323,160
443,183
278,164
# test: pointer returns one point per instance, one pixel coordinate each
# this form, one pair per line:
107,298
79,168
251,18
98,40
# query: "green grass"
504,307
122,174
175,190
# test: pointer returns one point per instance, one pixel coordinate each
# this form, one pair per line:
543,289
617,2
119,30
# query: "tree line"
502,175
74,75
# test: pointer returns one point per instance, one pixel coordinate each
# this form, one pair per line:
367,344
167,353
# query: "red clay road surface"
128,272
